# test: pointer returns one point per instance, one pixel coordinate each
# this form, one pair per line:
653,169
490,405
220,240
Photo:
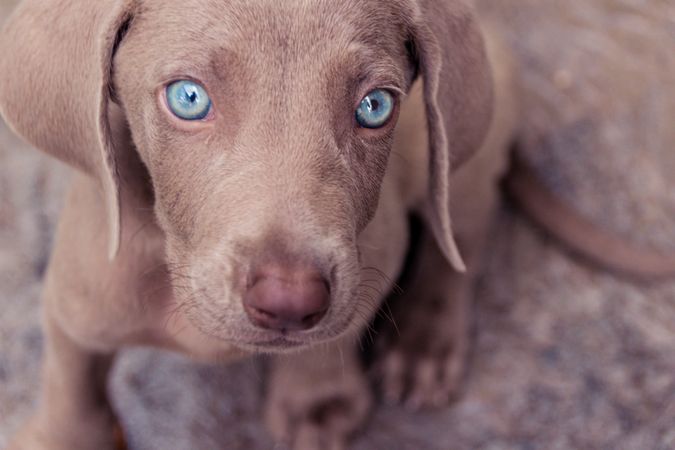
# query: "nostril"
261,313
326,285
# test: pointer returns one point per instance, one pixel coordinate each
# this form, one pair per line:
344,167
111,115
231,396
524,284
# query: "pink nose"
287,299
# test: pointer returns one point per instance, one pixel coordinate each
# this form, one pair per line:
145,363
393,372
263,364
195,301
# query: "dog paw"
317,413
421,363
421,379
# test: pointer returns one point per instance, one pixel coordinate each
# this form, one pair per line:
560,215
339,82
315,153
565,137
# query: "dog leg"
421,360
74,413
318,398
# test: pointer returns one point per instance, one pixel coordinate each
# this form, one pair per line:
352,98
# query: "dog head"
265,128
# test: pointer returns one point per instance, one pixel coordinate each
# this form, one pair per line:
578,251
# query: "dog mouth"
239,333
279,343
284,341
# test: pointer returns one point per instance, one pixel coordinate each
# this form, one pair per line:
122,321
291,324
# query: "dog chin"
280,342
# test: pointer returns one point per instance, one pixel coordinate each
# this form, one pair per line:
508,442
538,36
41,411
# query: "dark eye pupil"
192,96
373,104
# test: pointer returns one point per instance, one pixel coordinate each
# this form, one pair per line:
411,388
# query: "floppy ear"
55,85
449,49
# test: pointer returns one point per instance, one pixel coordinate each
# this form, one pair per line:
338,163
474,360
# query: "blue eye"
188,100
375,109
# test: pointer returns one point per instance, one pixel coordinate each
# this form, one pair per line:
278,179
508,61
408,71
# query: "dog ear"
448,49
55,85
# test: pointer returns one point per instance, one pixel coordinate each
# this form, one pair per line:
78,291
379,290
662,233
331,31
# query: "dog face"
262,200
265,128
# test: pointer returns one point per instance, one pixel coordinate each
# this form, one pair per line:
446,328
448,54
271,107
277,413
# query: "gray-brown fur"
165,220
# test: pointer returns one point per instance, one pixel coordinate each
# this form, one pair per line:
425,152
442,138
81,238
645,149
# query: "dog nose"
287,299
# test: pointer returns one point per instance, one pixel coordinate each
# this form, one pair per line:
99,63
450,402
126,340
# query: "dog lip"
279,342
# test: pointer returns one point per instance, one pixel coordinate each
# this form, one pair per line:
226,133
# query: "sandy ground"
565,356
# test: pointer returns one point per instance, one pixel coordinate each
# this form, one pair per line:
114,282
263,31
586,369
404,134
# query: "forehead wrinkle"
297,24
280,27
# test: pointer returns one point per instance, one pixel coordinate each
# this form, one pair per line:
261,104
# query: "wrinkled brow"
356,61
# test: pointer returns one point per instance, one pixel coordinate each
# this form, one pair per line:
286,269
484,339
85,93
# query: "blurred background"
566,355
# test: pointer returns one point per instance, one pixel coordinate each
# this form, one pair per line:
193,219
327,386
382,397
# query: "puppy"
240,183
